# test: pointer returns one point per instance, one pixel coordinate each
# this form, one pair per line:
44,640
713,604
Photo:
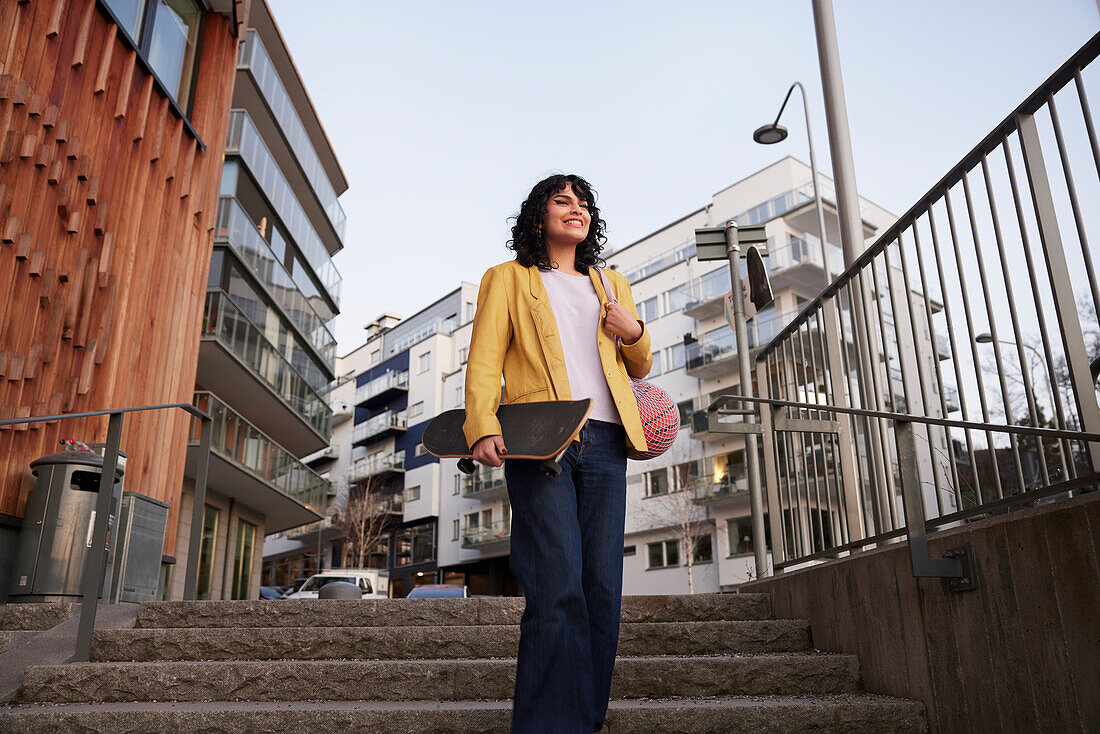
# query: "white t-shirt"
577,310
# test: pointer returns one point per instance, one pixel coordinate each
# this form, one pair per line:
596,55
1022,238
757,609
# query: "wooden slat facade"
107,207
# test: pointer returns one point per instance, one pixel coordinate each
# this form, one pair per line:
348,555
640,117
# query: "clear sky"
444,113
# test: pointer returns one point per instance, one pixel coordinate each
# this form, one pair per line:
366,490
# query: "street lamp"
776,133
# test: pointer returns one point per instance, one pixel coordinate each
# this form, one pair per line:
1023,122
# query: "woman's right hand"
490,451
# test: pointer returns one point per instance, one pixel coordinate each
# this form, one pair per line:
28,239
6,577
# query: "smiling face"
566,220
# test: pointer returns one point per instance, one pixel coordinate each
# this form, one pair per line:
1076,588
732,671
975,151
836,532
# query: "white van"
373,582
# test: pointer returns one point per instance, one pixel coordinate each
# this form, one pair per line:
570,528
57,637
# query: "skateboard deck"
541,430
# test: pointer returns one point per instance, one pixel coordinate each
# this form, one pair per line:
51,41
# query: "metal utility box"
140,547
57,527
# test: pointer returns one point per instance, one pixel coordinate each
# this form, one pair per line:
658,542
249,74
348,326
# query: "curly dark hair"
527,239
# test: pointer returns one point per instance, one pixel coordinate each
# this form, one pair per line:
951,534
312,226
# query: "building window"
739,534
630,550
656,482
416,409
686,474
686,408
454,529
412,494
425,362
676,357
242,560
704,549
419,450
656,368
206,552
458,485
677,298
647,309
663,554
166,34
463,355
469,312
376,356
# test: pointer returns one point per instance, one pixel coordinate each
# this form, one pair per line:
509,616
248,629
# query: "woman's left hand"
619,322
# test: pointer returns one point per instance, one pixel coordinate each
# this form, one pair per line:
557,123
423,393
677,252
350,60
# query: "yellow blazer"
515,335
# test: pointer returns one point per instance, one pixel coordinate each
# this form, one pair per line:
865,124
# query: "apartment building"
267,356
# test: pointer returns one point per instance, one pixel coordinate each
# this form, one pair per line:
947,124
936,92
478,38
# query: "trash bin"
57,527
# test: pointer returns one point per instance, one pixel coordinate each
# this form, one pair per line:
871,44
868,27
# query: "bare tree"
677,509
363,517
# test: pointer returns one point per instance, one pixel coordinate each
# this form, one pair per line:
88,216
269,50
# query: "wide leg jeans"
567,552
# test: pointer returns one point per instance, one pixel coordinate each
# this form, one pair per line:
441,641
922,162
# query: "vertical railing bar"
872,394
1025,369
973,348
864,479
786,508
96,559
833,487
891,504
992,321
771,473
1086,253
191,578
919,361
797,488
1064,449
955,361
825,379
816,415
936,364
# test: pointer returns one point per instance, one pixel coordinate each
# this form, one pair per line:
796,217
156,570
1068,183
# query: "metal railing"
373,465
96,560
378,424
994,267
379,385
494,532
486,480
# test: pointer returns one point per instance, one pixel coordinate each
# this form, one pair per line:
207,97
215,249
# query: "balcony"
487,483
438,326
381,389
680,253
377,465
235,228
492,536
255,59
323,457
250,467
244,140
705,295
380,426
341,412
715,353
712,490
797,265
235,358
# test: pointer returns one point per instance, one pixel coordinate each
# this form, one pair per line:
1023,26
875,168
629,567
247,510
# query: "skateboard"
541,431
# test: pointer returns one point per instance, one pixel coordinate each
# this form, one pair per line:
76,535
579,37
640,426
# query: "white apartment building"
454,528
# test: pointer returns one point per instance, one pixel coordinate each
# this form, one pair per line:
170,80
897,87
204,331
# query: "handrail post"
955,568
96,558
190,583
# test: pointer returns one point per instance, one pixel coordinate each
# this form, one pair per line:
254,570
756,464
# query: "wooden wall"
107,209
1021,653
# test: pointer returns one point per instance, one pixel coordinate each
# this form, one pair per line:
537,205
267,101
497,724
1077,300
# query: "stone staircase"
705,663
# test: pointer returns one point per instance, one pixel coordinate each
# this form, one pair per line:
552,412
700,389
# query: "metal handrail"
96,559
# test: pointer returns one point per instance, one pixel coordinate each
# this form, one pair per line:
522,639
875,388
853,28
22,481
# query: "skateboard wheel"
551,468
466,466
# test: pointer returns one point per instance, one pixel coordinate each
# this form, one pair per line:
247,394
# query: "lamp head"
770,134
985,338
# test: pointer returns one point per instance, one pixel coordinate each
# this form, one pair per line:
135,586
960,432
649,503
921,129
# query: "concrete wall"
1019,653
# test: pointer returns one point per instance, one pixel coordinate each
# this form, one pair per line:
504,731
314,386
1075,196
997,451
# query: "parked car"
288,590
438,591
372,582
270,592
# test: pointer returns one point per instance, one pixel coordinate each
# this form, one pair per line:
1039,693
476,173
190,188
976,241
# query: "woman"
544,323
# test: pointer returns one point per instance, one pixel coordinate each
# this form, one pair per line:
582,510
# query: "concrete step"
431,612
439,680
449,642
851,714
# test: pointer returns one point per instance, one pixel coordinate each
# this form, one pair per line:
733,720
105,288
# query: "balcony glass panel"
681,252
244,140
788,200
274,326
235,228
378,424
714,284
485,479
379,385
238,441
804,249
721,343
714,487
373,465
223,321
254,58
439,326
494,532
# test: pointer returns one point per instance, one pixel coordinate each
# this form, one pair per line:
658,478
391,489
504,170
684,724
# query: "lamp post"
776,133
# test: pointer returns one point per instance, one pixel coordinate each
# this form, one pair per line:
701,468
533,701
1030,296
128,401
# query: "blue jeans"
567,552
